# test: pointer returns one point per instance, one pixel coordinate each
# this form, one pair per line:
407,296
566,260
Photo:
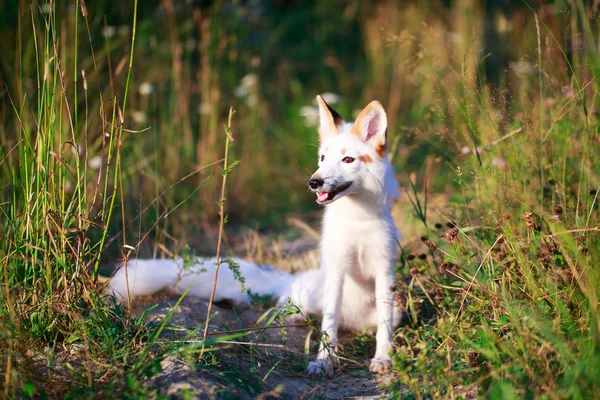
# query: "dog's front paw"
381,365
320,368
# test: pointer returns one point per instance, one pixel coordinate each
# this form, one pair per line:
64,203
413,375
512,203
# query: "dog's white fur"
358,246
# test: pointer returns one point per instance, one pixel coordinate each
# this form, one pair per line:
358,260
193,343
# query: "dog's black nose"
315,183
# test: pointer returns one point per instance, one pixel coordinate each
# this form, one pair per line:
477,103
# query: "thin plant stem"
228,141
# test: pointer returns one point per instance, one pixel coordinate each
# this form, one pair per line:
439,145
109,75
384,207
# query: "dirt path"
272,366
269,363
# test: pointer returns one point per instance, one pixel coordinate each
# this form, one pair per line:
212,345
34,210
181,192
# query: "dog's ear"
329,120
371,126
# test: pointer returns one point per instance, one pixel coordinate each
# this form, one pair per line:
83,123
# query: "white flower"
522,68
252,100
454,37
499,163
95,162
204,108
76,150
310,114
139,117
331,98
146,89
249,81
240,91
465,150
109,31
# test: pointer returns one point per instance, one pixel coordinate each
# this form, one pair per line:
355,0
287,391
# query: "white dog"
355,182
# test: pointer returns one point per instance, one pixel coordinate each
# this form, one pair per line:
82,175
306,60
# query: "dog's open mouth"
325,197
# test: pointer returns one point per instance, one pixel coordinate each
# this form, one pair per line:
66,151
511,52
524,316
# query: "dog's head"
351,155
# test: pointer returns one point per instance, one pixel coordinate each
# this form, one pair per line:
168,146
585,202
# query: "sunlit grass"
494,112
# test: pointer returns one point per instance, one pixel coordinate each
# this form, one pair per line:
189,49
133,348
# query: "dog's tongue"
322,196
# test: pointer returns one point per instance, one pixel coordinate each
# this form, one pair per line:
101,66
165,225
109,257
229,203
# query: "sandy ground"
277,361
273,364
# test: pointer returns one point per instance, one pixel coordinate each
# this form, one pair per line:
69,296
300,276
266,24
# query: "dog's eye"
348,160
322,157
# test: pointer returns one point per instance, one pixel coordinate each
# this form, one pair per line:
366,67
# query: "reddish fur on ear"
380,145
371,125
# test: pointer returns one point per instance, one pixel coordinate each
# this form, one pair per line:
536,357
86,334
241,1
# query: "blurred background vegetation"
268,59
493,120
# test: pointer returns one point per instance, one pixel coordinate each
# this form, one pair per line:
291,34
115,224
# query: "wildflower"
95,162
545,260
443,267
532,225
499,163
331,98
522,68
310,114
240,91
247,83
451,234
252,100
527,216
465,150
109,31
567,91
432,246
249,80
414,271
550,102
473,357
502,255
454,37
204,108
139,117
146,89
558,209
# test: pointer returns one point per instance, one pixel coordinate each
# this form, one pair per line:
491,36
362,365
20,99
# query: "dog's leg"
382,362
332,301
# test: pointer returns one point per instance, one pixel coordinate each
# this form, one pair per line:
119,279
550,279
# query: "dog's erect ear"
370,126
329,120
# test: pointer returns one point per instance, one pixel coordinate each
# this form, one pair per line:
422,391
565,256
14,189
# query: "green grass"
110,148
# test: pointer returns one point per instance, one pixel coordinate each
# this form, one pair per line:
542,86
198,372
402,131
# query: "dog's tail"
145,277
